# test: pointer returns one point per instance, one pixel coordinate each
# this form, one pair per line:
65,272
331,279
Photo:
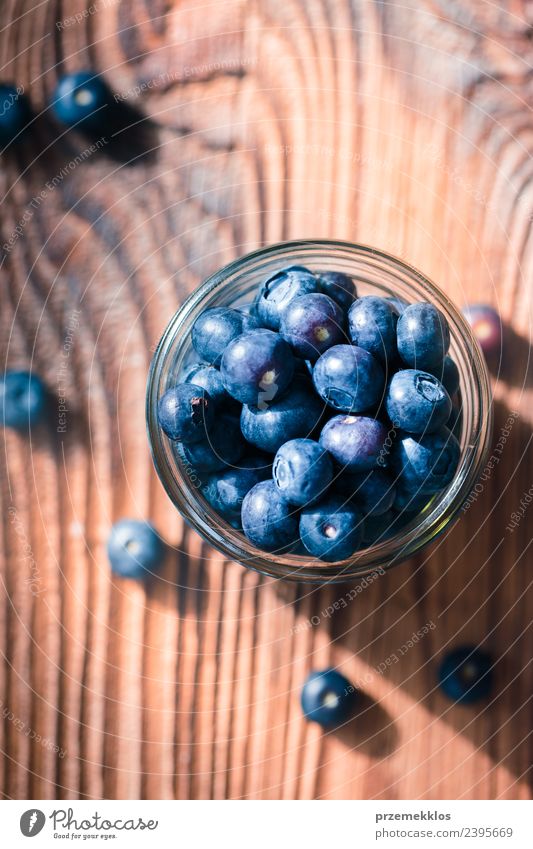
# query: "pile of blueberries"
317,421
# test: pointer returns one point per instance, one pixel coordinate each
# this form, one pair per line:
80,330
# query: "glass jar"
377,273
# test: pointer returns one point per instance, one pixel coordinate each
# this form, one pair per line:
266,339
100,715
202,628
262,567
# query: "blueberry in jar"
302,471
448,374
356,443
349,379
215,328
134,548
81,99
425,464
466,674
209,378
268,520
297,414
23,399
373,491
340,287
280,289
332,529
14,112
423,336
225,490
417,402
311,324
184,412
372,325
328,698
257,367
222,446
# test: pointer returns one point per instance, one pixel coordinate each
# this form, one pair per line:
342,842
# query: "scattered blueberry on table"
23,398
328,698
81,99
134,548
466,674
14,112
317,420
486,326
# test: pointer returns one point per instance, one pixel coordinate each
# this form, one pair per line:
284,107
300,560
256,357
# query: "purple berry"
349,379
257,367
311,324
357,443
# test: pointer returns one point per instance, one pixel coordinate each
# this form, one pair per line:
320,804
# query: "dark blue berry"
134,548
14,112
373,491
372,325
311,324
302,471
357,443
225,490
268,520
280,289
328,698
423,336
184,412
209,378
487,328
448,374
215,328
297,414
349,379
332,529
340,287
223,446
257,367
81,99
23,399
425,464
466,674
417,402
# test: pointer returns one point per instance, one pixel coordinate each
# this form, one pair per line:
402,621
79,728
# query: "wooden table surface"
406,126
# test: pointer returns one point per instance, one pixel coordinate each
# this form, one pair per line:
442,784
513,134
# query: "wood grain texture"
407,127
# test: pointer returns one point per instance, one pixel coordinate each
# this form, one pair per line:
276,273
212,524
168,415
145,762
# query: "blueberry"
328,698
302,471
184,412
372,325
373,491
268,520
23,399
466,674
448,374
486,326
295,415
225,490
280,289
223,446
426,464
81,99
134,548
417,402
349,379
257,367
311,324
332,529
215,328
208,377
14,112
338,286
357,443
423,336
